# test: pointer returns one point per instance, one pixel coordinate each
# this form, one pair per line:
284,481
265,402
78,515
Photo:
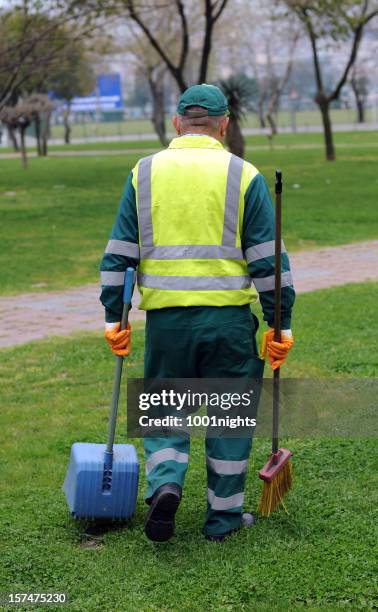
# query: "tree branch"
220,10
174,70
185,35
312,36
371,16
358,32
210,19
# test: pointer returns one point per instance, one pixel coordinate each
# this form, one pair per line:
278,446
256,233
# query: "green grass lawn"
57,215
319,557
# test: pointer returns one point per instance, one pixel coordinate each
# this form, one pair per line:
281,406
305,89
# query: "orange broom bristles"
275,490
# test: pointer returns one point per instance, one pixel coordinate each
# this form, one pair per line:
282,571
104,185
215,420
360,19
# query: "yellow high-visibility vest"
190,203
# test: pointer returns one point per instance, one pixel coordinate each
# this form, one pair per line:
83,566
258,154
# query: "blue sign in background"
106,97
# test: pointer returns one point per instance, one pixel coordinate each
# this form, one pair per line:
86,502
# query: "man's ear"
224,125
176,124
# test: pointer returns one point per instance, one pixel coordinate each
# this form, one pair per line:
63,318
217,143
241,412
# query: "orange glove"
119,341
277,351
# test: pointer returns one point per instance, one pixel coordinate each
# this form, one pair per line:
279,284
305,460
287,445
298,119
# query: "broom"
277,472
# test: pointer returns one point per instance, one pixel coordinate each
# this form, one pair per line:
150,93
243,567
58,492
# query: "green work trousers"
202,342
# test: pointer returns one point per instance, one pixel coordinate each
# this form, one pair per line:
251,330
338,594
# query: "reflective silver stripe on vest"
112,279
228,468
193,283
122,247
231,210
165,454
197,251
224,503
267,283
259,251
144,201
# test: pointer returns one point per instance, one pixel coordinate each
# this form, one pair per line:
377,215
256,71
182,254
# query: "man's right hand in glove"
119,341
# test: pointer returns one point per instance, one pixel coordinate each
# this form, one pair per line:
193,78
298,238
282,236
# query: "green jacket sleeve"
122,251
258,247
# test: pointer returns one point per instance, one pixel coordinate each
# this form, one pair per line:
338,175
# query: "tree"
39,107
20,117
162,39
212,12
173,43
141,12
265,52
17,118
56,60
276,87
359,83
149,65
31,41
156,79
141,95
276,76
73,76
330,22
239,90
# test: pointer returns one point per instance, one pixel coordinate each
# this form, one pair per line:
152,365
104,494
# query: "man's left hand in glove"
277,351
119,341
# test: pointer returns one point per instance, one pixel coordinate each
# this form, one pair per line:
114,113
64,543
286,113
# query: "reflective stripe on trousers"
163,455
227,467
224,503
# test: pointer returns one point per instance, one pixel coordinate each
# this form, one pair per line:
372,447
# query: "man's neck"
201,134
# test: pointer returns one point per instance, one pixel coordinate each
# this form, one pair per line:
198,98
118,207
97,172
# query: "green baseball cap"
210,97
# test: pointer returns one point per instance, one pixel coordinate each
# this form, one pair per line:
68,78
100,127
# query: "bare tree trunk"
273,127
206,49
13,138
327,128
45,133
273,105
260,112
24,158
360,106
37,122
360,110
158,110
66,123
234,138
272,123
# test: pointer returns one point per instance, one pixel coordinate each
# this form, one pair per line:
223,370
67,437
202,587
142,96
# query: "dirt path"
34,316
147,151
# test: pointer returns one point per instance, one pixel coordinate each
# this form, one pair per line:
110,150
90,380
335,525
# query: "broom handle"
277,307
127,295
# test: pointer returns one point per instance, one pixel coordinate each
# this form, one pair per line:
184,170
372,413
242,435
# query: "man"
199,223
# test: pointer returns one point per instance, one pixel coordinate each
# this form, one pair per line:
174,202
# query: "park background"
58,201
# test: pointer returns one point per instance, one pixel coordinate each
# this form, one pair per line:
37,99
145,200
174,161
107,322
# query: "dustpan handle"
277,307
127,295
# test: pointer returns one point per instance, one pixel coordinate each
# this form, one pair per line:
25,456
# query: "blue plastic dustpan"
102,480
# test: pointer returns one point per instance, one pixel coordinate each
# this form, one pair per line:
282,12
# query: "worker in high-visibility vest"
199,224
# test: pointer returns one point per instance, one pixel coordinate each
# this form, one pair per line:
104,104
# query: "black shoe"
160,520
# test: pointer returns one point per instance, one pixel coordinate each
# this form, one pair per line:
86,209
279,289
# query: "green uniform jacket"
258,228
